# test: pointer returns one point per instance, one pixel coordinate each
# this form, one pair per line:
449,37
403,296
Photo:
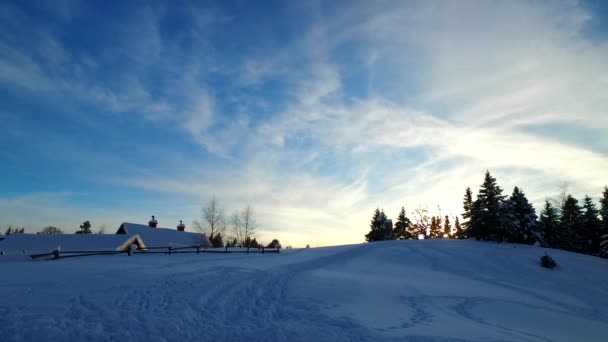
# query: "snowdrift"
436,290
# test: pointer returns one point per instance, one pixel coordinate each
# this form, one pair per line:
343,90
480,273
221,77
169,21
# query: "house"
128,235
27,244
164,237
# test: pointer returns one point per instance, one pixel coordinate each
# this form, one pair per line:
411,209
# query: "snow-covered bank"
399,290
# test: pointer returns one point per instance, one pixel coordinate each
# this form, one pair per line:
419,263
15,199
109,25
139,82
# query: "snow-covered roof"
18,244
163,237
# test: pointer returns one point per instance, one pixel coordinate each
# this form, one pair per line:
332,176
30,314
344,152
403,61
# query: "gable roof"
163,237
16,244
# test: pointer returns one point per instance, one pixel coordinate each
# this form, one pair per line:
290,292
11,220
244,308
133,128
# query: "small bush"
547,262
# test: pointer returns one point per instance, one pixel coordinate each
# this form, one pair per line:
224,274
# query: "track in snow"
402,290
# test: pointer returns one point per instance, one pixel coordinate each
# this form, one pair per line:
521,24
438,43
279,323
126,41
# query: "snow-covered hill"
436,290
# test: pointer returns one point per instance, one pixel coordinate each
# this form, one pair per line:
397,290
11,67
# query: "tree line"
236,230
493,216
85,228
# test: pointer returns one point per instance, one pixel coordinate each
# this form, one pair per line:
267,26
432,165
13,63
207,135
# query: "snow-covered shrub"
547,262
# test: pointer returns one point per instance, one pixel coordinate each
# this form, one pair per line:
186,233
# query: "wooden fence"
57,254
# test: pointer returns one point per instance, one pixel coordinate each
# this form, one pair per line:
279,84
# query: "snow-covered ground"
437,290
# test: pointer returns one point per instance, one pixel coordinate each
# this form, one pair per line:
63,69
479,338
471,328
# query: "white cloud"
467,80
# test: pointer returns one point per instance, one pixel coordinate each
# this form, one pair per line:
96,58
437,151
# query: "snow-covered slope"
399,290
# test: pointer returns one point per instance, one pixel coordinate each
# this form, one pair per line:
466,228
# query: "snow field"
439,290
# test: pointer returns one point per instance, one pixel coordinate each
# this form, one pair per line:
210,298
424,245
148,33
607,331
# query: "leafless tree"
421,216
51,230
213,220
248,222
101,229
237,226
560,198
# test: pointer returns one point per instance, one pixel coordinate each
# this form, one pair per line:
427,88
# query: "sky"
315,113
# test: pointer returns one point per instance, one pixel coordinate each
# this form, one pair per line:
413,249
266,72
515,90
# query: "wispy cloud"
317,122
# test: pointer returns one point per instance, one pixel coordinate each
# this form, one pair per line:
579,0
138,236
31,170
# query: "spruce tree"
439,222
85,228
435,228
570,222
377,226
467,205
604,224
403,230
549,226
588,236
525,226
447,227
485,213
458,233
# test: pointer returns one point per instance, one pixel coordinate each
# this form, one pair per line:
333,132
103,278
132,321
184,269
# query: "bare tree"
248,222
213,220
237,226
101,229
421,216
51,230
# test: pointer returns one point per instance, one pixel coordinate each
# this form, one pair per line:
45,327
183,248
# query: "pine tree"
467,205
10,230
549,226
604,224
377,226
508,222
433,228
458,233
588,237
447,227
85,228
403,230
570,222
525,220
436,230
439,222
485,219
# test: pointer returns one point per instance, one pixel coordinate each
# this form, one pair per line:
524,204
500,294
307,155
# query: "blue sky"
313,112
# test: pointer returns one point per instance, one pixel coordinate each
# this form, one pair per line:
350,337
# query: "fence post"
198,249
170,250
262,250
226,248
247,249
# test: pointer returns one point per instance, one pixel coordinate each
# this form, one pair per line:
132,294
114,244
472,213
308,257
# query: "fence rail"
57,254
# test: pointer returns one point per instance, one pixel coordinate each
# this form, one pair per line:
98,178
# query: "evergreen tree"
458,233
570,222
467,205
439,222
10,230
525,225
403,227
588,237
604,223
549,226
447,227
508,222
377,226
216,240
435,230
485,222
85,228
274,244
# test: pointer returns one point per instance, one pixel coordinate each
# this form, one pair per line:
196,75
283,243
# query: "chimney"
181,226
152,223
